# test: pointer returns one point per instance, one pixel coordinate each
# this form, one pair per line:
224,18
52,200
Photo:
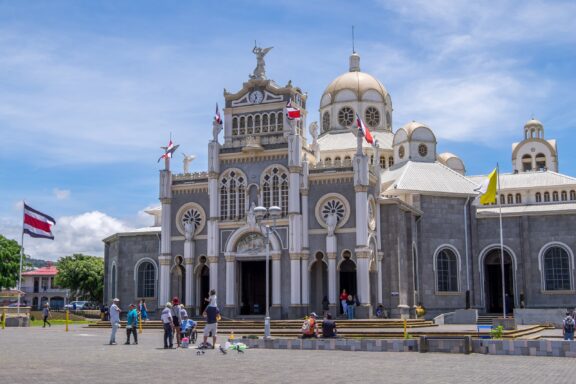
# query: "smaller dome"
412,126
453,162
533,123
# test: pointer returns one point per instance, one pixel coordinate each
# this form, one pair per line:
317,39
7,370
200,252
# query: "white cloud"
61,194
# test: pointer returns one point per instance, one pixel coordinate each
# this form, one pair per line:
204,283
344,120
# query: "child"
212,299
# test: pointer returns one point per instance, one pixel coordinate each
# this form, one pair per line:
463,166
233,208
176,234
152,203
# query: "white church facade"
394,224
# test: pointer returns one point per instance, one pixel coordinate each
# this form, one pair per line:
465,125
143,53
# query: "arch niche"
491,279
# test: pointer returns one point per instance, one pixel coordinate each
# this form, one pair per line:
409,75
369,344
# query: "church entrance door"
253,287
203,287
493,282
348,277
318,284
178,283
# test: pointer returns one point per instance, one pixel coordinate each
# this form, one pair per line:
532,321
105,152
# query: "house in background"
39,287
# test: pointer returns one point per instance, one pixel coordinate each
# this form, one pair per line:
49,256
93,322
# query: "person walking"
176,318
212,315
568,327
132,324
350,306
343,298
143,310
114,319
168,325
46,315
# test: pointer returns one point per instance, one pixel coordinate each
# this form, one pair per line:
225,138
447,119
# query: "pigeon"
222,350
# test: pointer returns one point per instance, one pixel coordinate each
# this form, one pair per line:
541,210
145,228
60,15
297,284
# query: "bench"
483,328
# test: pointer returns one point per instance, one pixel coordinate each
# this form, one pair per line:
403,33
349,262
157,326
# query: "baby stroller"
188,329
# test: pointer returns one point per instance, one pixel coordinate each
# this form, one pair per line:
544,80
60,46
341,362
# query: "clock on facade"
256,97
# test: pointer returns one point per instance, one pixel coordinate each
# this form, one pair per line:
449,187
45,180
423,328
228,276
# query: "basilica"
395,223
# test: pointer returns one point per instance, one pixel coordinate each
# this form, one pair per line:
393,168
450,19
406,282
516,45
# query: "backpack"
306,326
569,324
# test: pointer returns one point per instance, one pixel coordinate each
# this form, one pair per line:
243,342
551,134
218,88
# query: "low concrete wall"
14,321
444,318
465,316
540,316
556,348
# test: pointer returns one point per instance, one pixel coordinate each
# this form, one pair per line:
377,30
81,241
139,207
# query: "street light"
261,213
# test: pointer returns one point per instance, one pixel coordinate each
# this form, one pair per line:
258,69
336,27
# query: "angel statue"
313,129
186,162
259,71
331,222
189,229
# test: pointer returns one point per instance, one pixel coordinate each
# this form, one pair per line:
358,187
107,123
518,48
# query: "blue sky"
89,90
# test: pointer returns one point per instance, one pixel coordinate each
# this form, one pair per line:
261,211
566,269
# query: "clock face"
256,97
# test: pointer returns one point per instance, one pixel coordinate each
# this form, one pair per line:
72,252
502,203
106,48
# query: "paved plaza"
37,355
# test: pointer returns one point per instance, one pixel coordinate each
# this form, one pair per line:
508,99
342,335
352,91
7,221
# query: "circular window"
325,122
190,213
422,150
346,116
332,204
372,117
401,152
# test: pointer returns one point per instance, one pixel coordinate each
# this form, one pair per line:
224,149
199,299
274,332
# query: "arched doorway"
35,303
203,287
348,274
318,282
178,280
493,281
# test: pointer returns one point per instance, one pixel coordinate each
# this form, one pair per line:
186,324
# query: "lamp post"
261,213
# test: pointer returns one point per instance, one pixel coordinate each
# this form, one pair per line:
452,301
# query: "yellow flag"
488,188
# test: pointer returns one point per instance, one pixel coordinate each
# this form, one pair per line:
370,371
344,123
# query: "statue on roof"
259,72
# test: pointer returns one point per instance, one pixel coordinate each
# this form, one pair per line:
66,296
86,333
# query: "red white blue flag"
168,151
364,129
217,117
292,112
38,224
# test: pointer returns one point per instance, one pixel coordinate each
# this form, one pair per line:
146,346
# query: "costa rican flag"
217,117
364,129
38,224
292,112
168,151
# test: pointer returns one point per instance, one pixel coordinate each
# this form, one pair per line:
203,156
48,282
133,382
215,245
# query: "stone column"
331,254
275,278
213,265
164,285
189,247
363,281
231,281
305,279
295,279
379,261
165,237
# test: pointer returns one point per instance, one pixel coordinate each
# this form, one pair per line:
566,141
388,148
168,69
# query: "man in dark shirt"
212,315
328,326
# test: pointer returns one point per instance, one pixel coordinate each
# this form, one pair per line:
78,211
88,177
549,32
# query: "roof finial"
353,48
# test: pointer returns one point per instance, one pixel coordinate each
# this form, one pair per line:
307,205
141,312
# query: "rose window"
333,206
192,216
372,117
346,116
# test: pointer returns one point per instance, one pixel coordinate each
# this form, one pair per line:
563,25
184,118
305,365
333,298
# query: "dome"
414,131
533,122
356,81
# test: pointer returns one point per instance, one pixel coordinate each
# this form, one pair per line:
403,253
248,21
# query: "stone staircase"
486,319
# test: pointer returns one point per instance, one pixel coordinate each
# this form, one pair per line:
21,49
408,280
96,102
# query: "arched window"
328,161
540,162
250,126
337,161
280,120
391,161
502,199
555,196
556,269
242,130
235,126
538,197
232,195
275,188
572,195
272,122
325,121
146,280
257,123
382,162
510,199
546,196
347,160
564,195
518,198
526,163
265,123
447,271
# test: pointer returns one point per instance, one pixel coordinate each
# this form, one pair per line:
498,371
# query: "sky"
89,90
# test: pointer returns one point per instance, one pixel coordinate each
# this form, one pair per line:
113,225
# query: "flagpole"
19,285
501,241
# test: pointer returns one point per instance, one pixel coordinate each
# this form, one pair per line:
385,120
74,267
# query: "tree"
83,275
9,262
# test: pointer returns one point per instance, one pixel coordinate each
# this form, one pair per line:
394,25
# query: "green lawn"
39,323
